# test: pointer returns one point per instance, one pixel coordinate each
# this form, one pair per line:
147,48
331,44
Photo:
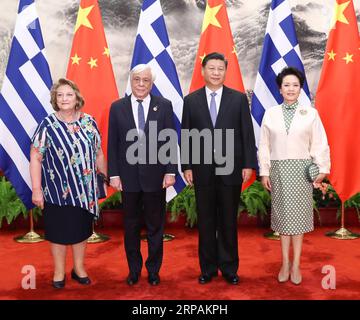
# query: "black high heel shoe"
81,280
58,284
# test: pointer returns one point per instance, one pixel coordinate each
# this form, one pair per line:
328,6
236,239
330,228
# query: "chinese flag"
90,66
216,36
338,99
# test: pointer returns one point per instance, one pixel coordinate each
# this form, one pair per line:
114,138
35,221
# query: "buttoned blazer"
146,177
234,114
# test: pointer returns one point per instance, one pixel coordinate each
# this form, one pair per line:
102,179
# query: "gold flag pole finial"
97,237
31,236
272,235
342,233
166,237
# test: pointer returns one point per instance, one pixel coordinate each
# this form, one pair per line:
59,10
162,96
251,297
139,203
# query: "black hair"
290,71
216,56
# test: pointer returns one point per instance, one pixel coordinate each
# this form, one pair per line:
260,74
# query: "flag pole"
342,233
31,236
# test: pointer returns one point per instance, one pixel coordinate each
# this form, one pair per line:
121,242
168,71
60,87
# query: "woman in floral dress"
65,157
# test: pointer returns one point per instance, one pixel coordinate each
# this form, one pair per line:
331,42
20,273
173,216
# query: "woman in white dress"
292,137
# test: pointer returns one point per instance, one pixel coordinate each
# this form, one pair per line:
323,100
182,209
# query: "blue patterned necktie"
213,112
141,115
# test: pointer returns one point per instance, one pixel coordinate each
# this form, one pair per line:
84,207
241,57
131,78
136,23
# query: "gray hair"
140,68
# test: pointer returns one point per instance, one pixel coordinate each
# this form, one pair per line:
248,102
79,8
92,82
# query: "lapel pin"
303,112
155,108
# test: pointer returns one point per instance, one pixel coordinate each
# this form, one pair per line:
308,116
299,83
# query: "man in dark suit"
132,169
212,108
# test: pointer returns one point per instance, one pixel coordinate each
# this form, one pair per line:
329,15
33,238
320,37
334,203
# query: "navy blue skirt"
66,224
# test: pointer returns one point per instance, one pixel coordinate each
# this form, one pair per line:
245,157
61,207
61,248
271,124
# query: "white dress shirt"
217,97
135,106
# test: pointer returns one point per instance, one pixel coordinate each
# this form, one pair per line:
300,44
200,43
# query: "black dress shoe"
231,278
206,278
154,279
132,278
81,280
58,284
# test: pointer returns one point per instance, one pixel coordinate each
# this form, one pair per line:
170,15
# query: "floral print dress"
69,161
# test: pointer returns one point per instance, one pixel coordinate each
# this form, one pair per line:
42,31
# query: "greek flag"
152,47
280,49
24,99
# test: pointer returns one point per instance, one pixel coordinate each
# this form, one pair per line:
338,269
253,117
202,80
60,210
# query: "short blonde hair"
73,85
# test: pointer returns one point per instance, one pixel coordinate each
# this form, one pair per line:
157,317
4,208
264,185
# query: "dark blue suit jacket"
138,177
234,113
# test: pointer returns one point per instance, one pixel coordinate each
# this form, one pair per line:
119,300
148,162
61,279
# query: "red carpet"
259,264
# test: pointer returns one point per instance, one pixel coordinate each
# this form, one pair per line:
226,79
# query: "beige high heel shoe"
296,279
284,277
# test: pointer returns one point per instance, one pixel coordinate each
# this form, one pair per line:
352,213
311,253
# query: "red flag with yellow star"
338,99
90,66
216,36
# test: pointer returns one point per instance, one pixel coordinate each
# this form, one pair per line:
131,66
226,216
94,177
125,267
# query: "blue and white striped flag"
24,99
152,47
280,49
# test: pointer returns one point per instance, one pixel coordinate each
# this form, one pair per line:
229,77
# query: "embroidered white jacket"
306,139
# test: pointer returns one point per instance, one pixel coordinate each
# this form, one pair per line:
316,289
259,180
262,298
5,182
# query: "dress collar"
290,106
